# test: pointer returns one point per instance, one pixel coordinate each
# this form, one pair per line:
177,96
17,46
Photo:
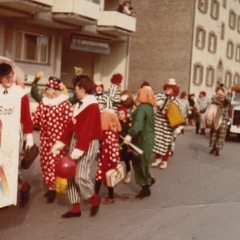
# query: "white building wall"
115,62
206,58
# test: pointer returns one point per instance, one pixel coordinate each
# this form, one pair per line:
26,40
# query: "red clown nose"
65,167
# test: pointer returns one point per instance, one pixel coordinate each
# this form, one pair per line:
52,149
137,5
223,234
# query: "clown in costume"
141,134
217,137
8,89
114,91
109,155
53,114
103,99
82,134
164,133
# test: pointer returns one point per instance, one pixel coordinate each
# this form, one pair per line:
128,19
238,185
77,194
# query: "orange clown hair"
109,121
146,95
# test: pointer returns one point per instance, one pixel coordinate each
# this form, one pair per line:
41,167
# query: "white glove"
160,103
29,140
57,147
124,97
127,139
189,112
76,153
178,129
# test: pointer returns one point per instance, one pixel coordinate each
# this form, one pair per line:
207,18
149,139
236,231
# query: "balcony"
116,23
13,8
76,12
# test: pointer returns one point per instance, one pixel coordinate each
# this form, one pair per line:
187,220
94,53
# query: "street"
196,198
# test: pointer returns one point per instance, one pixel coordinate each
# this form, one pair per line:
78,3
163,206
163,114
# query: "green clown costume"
142,135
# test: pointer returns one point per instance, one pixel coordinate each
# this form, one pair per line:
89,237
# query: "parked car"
234,112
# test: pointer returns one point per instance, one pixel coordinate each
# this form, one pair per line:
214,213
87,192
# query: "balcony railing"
79,12
112,21
27,6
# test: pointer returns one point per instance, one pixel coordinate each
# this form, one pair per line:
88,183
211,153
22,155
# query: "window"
214,9
232,19
203,5
210,76
238,24
238,53
222,30
219,73
230,47
228,79
198,74
236,79
200,37
212,42
32,47
224,3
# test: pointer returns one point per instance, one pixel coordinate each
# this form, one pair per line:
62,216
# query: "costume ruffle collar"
54,101
89,99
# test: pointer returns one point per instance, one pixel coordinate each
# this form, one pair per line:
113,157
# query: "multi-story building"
54,36
197,42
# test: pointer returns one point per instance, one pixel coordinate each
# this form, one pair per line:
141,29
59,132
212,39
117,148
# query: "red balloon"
65,167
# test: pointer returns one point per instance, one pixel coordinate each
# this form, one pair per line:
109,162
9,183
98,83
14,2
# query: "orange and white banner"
9,150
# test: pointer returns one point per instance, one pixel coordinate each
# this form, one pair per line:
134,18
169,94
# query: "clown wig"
174,87
110,121
146,95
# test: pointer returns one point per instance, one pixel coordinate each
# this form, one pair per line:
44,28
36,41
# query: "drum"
213,116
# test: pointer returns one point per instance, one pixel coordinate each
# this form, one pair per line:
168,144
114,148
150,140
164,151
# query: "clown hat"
54,83
116,78
171,81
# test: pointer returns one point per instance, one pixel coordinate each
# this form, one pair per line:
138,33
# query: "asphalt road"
196,198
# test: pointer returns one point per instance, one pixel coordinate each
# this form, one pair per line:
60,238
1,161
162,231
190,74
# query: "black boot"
145,192
24,195
51,196
197,127
217,152
212,151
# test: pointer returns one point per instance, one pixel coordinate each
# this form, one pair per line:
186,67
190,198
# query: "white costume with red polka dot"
52,115
109,157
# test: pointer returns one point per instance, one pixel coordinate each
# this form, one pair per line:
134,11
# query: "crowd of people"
94,125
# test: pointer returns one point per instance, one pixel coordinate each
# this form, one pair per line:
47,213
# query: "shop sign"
90,44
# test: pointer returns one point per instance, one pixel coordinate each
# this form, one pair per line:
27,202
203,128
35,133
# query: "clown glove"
57,147
160,103
29,140
76,153
124,97
178,129
127,139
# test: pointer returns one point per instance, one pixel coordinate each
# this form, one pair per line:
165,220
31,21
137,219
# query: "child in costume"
109,155
125,152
